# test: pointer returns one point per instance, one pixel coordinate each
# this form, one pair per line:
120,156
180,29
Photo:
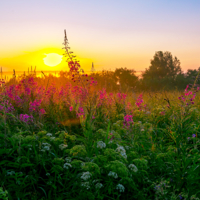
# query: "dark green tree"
163,65
125,77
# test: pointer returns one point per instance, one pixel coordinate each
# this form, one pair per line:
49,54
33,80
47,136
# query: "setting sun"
52,59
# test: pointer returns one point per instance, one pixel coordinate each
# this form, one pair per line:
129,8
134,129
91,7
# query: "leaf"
27,165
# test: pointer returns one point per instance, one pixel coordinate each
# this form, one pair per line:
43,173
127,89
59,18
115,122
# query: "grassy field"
61,140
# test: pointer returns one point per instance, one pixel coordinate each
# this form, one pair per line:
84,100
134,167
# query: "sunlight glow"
52,59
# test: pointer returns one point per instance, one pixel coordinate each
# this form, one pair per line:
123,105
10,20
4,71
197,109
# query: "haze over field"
112,34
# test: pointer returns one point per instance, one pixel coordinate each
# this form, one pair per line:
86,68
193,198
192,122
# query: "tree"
125,77
162,65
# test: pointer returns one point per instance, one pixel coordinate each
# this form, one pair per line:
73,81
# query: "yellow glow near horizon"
52,59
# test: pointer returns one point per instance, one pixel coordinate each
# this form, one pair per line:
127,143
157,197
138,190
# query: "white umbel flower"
67,166
113,174
101,145
120,187
122,151
49,134
98,185
86,185
133,168
86,175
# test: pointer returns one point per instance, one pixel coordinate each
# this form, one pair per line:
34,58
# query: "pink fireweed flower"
26,118
128,120
70,108
80,112
42,111
34,106
121,96
139,101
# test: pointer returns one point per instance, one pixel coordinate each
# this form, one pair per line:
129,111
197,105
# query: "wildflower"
68,159
86,175
113,174
193,135
101,145
47,174
122,151
66,166
133,168
86,185
120,187
26,118
63,146
47,148
11,173
52,138
49,134
70,108
98,185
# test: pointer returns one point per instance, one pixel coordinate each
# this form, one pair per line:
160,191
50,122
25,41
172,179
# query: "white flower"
133,168
63,146
101,145
68,159
49,134
86,185
113,174
46,144
98,185
86,175
66,166
122,151
120,187
11,173
52,138
82,164
47,148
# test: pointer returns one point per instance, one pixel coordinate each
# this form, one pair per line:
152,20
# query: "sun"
52,59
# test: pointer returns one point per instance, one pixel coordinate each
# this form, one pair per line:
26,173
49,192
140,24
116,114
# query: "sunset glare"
52,59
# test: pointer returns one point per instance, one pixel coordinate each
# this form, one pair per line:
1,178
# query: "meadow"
63,137
60,140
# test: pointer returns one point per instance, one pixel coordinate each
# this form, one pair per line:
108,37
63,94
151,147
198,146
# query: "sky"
110,33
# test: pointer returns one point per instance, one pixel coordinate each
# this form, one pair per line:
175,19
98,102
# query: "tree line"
164,73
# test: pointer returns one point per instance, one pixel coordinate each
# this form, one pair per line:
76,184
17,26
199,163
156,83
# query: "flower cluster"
113,174
122,151
139,101
45,147
86,175
67,166
128,120
133,168
26,118
101,145
120,187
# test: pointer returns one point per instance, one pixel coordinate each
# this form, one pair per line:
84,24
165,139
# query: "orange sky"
112,34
